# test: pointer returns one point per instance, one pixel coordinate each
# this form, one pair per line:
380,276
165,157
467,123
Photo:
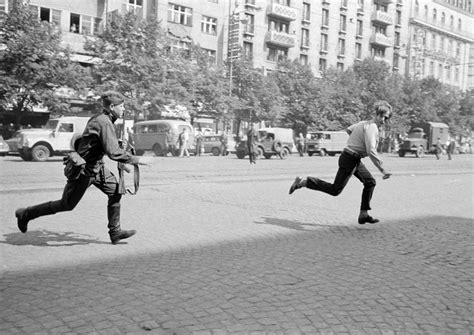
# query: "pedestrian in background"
183,141
199,139
300,141
362,142
224,143
252,137
451,148
438,148
98,139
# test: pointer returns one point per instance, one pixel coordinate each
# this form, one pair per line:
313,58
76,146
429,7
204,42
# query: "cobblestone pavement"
222,248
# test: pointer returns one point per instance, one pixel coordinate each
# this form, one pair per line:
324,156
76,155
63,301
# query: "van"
326,142
160,136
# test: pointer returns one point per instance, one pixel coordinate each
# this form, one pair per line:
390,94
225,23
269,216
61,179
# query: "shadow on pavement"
45,238
411,276
305,226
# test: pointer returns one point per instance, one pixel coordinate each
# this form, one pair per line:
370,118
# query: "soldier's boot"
115,232
24,215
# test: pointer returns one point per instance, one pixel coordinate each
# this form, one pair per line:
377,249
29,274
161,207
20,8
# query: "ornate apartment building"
417,38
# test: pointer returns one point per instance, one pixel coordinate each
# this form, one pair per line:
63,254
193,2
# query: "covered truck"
423,137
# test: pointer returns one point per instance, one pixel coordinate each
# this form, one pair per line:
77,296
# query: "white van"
326,142
160,136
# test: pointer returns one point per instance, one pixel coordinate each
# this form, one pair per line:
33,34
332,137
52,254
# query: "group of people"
99,139
183,143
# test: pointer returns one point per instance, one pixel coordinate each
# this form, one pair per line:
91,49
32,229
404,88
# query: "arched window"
443,18
435,15
451,21
459,24
417,8
426,12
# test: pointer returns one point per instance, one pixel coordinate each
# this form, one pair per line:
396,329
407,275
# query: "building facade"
416,38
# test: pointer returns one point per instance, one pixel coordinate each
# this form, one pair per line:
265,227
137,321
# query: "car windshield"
51,124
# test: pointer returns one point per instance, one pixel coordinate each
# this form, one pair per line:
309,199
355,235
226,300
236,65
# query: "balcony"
382,17
280,39
381,40
281,12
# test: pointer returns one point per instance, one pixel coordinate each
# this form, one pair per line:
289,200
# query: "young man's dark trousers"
349,164
73,192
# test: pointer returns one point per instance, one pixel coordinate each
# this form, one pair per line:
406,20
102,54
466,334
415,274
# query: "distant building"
417,38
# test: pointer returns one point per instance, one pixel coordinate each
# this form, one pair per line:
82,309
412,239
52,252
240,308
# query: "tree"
137,61
33,63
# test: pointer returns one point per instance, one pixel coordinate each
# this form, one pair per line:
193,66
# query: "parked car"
271,142
56,138
327,142
4,148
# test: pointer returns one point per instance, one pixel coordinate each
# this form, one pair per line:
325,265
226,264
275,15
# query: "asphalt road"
222,248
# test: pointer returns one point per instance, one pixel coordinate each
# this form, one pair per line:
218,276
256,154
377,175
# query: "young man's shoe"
121,235
296,185
367,219
22,219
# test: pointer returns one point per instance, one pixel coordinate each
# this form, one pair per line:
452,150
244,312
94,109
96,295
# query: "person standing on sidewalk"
362,142
183,141
199,138
98,139
252,136
438,148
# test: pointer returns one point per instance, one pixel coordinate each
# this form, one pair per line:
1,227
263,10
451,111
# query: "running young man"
362,142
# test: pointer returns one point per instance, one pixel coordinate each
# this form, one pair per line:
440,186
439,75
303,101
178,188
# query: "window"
304,59
48,15
451,22
433,42
399,17
397,39
342,22
396,60
3,6
360,25
426,12
377,52
304,37
341,46
209,25
441,44
459,24
443,18
280,26
344,3
86,25
324,42
248,50
360,5
323,65
211,54
435,15
340,66
450,47
358,51
277,54
417,8
83,24
431,68
456,74
180,14
325,20
250,25
306,11
66,128
134,6
458,49
213,1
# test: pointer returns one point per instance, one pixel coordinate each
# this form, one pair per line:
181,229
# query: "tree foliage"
33,63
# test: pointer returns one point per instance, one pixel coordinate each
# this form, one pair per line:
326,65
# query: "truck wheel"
420,152
284,153
158,150
267,156
240,155
216,151
40,153
310,153
322,153
401,153
259,153
277,146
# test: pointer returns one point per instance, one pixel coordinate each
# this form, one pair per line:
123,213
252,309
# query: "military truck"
56,138
271,142
423,137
